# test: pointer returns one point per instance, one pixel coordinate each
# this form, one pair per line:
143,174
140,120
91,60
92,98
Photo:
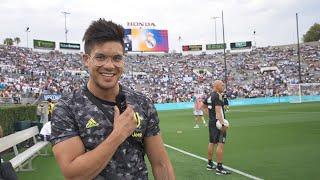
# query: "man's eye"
117,57
100,58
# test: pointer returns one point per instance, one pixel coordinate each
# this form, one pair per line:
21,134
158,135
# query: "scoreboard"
240,45
192,48
215,46
41,44
69,46
146,40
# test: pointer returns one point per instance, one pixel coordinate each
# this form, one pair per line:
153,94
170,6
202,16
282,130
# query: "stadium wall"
240,102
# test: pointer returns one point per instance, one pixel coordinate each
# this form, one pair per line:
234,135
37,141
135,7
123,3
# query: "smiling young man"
92,138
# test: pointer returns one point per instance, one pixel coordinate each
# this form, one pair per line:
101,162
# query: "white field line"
285,112
204,159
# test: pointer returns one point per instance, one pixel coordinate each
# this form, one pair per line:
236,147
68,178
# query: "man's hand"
125,123
223,127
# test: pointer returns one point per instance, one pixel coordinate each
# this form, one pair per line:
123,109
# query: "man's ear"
85,60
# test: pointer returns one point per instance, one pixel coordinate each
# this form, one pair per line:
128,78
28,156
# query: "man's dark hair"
101,31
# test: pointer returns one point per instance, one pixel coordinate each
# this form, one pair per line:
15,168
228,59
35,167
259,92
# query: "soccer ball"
218,124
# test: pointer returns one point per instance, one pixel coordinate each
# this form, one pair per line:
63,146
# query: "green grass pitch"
280,141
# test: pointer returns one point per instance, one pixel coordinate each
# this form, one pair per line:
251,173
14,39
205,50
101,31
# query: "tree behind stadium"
17,40
8,41
313,33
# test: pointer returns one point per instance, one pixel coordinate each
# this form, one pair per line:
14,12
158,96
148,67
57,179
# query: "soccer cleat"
210,167
196,126
222,171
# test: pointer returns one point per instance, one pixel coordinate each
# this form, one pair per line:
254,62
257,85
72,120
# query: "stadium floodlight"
179,40
27,31
214,18
65,24
298,44
254,38
224,54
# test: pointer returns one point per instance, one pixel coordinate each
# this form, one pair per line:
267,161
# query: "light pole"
298,43
254,38
180,46
65,24
215,27
27,31
224,54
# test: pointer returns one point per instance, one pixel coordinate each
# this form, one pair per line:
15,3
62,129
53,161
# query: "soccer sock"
219,166
209,161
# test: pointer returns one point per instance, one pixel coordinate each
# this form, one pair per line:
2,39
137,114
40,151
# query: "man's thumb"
116,112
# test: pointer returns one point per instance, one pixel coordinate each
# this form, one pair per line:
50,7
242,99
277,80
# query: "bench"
6,100
24,158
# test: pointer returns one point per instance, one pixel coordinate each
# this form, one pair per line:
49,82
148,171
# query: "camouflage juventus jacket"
76,115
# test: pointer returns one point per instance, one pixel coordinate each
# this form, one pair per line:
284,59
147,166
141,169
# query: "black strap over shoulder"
95,100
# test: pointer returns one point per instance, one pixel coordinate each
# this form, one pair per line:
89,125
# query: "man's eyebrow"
99,54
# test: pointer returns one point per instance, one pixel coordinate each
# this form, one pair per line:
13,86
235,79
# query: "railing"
6,100
240,102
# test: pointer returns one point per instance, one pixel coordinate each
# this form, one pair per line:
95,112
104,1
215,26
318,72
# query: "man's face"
107,75
219,86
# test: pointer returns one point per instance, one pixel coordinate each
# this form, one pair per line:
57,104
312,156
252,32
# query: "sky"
273,20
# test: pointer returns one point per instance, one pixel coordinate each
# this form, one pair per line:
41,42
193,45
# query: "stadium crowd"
265,71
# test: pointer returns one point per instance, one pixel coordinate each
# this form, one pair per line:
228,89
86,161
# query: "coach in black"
103,130
214,104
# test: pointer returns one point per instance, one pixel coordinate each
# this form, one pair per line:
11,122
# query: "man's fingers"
116,112
129,110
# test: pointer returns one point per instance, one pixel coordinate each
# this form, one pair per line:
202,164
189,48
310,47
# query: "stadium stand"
265,71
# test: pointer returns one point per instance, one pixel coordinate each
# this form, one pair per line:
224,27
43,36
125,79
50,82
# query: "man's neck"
104,94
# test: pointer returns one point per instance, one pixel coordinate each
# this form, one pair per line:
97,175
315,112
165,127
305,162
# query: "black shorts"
215,135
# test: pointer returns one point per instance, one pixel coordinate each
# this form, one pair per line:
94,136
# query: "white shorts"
198,112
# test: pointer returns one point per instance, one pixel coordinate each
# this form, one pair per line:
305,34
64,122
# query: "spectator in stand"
164,78
50,108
